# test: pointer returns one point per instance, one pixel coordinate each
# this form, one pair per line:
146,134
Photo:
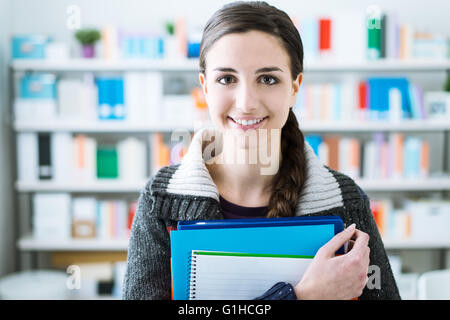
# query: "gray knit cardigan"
186,191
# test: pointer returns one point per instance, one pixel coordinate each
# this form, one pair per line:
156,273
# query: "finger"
350,245
361,240
330,248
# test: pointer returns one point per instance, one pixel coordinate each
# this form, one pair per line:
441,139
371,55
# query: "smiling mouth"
248,126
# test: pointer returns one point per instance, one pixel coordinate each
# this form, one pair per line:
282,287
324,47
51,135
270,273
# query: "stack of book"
134,98
61,157
408,221
352,36
372,99
242,258
60,216
394,156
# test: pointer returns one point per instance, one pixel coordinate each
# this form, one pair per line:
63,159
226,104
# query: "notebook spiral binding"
192,272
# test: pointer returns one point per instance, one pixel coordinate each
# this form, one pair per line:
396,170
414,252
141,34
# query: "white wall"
49,16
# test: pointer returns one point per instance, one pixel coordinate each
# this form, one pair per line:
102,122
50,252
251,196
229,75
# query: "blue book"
287,236
29,46
309,31
379,97
38,86
261,222
411,157
314,141
337,110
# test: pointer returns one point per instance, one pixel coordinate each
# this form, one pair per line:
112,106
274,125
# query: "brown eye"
269,80
226,80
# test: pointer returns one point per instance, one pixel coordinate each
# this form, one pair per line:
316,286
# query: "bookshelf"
29,243
308,126
369,185
432,184
192,65
113,186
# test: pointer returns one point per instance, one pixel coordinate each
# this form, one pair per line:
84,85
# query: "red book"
324,34
131,212
362,95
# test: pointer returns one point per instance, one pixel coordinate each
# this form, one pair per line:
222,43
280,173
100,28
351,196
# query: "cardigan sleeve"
381,284
148,262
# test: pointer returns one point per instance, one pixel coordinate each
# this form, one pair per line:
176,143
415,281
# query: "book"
77,98
240,276
45,158
27,156
291,236
325,32
84,158
84,215
111,104
107,162
374,36
132,159
51,216
61,154
143,93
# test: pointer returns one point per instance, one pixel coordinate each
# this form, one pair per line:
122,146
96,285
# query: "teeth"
249,122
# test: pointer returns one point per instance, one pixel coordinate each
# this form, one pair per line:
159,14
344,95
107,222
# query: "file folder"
286,236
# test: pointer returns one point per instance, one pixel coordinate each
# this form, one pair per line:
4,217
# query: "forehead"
249,50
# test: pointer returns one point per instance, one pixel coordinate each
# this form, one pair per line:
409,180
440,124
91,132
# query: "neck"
244,172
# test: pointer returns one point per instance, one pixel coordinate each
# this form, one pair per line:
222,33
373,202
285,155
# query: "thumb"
329,249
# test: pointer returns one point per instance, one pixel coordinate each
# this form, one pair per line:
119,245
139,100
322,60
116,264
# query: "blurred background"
92,93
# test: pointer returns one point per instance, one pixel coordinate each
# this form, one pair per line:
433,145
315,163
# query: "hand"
337,277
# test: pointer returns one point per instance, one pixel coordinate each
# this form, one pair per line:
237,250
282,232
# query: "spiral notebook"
240,276
274,236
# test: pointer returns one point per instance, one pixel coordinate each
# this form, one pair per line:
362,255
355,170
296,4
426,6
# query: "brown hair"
240,17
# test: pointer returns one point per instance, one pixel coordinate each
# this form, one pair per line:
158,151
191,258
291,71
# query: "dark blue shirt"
234,211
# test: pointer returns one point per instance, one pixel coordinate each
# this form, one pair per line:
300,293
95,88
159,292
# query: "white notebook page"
227,277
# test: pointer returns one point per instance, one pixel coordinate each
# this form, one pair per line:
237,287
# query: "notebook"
301,238
261,222
240,276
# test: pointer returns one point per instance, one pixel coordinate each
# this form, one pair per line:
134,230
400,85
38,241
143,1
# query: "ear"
202,79
295,87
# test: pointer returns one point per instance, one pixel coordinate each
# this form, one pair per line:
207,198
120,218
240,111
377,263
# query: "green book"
107,162
374,41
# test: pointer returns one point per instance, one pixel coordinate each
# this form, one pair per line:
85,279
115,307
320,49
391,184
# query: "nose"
246,98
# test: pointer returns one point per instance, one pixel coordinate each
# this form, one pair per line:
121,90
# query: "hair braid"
291,175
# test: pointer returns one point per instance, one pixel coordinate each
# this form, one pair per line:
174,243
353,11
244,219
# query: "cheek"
219,100
278,103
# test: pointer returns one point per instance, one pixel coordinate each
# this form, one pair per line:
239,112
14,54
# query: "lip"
242,127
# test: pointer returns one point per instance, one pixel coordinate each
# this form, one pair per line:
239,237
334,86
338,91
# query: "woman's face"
248,77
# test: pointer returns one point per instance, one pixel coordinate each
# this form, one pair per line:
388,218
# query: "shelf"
99,127
105,65
29,243
400,244
384,185
428,184
306,126
375,126
379,65
191,65
103,186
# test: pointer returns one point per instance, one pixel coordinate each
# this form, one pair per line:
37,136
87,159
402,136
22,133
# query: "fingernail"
351,227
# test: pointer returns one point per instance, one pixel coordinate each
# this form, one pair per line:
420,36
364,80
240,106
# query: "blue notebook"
288,236
261,222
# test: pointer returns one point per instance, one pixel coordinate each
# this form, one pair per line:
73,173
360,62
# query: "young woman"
251,64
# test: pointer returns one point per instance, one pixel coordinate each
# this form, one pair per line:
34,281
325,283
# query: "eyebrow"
262,70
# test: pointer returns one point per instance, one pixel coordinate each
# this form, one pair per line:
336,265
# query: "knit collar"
320,192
